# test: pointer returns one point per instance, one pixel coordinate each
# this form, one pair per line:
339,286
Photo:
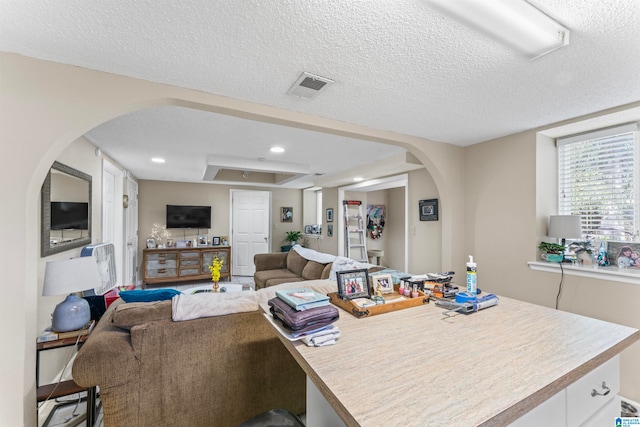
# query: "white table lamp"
565,227
65,277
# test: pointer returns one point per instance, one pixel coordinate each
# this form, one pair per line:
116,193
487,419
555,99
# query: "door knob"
606,390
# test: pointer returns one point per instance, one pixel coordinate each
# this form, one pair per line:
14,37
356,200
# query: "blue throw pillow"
148,295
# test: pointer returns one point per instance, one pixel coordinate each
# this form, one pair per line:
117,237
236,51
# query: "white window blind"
598,175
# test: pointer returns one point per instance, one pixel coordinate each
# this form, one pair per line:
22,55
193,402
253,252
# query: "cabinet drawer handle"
606,389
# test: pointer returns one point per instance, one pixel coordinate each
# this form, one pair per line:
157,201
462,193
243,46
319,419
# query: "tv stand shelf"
182,264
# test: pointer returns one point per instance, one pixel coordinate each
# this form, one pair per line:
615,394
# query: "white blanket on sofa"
312,255
340,263
188,307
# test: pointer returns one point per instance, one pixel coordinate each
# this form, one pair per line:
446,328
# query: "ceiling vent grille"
308,85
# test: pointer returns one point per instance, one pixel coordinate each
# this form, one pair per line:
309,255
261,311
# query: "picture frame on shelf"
286,214
329,216
169,243
215,241
182,243
224,240
151,243
428,209
353,284
202,240
384,280
624,254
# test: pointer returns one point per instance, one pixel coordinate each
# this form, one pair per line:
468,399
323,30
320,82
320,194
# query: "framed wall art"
428,210
286,215
353,283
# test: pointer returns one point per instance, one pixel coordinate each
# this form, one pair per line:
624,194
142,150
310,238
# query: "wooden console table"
182,264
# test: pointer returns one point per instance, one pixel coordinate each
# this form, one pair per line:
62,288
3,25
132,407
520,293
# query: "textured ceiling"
397,65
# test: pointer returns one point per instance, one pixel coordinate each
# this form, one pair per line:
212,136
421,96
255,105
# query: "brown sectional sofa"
284,267
213,371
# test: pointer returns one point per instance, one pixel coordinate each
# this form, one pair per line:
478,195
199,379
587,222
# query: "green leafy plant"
551,248
293,236
579,247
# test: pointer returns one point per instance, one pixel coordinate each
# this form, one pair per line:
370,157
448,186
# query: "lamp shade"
70,275
565,226
65,277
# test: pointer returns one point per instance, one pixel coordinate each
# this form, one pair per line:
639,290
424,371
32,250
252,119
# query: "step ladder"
354,231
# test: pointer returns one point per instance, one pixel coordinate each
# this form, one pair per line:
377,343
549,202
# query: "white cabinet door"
586,396
550,413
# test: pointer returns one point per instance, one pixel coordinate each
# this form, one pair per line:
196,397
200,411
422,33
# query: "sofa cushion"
278,280
128,315
312,270
295,263
275,274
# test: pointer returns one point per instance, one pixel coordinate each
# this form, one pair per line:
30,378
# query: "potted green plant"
292,237
552,252
583,251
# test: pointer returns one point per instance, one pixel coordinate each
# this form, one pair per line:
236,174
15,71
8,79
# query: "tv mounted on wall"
188,216
69,215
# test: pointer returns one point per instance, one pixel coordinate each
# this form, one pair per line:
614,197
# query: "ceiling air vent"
308,85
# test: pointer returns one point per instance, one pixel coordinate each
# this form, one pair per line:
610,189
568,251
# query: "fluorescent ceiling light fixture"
515,23
358,179
157,160
277,150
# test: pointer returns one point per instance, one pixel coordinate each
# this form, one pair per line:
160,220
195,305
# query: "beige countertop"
417,367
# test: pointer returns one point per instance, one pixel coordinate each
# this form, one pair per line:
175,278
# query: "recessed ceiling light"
358,179
157,160
277,150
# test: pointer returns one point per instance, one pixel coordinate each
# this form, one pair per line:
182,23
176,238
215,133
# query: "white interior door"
250,232
112,213
131,234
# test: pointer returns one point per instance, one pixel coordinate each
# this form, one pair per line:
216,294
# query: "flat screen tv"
69,215
188,216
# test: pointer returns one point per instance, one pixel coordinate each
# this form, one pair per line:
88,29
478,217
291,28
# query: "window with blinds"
598,175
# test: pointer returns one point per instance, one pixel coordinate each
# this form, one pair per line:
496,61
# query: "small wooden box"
373,310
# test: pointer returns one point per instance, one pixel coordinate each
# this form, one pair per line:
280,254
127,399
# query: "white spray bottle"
472,277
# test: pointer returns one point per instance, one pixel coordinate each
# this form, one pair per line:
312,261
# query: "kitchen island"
418,367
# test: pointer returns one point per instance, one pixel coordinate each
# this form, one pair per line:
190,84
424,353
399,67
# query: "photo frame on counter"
151,243
428,209
202,240
329,216
353,284
384,280
215,241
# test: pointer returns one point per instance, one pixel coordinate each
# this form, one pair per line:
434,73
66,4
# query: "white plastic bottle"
472,276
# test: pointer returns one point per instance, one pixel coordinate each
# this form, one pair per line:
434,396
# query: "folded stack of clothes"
307,314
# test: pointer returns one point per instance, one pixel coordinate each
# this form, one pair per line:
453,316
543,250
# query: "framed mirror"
66,210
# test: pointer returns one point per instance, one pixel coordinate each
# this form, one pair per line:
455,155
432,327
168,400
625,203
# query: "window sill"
613,273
